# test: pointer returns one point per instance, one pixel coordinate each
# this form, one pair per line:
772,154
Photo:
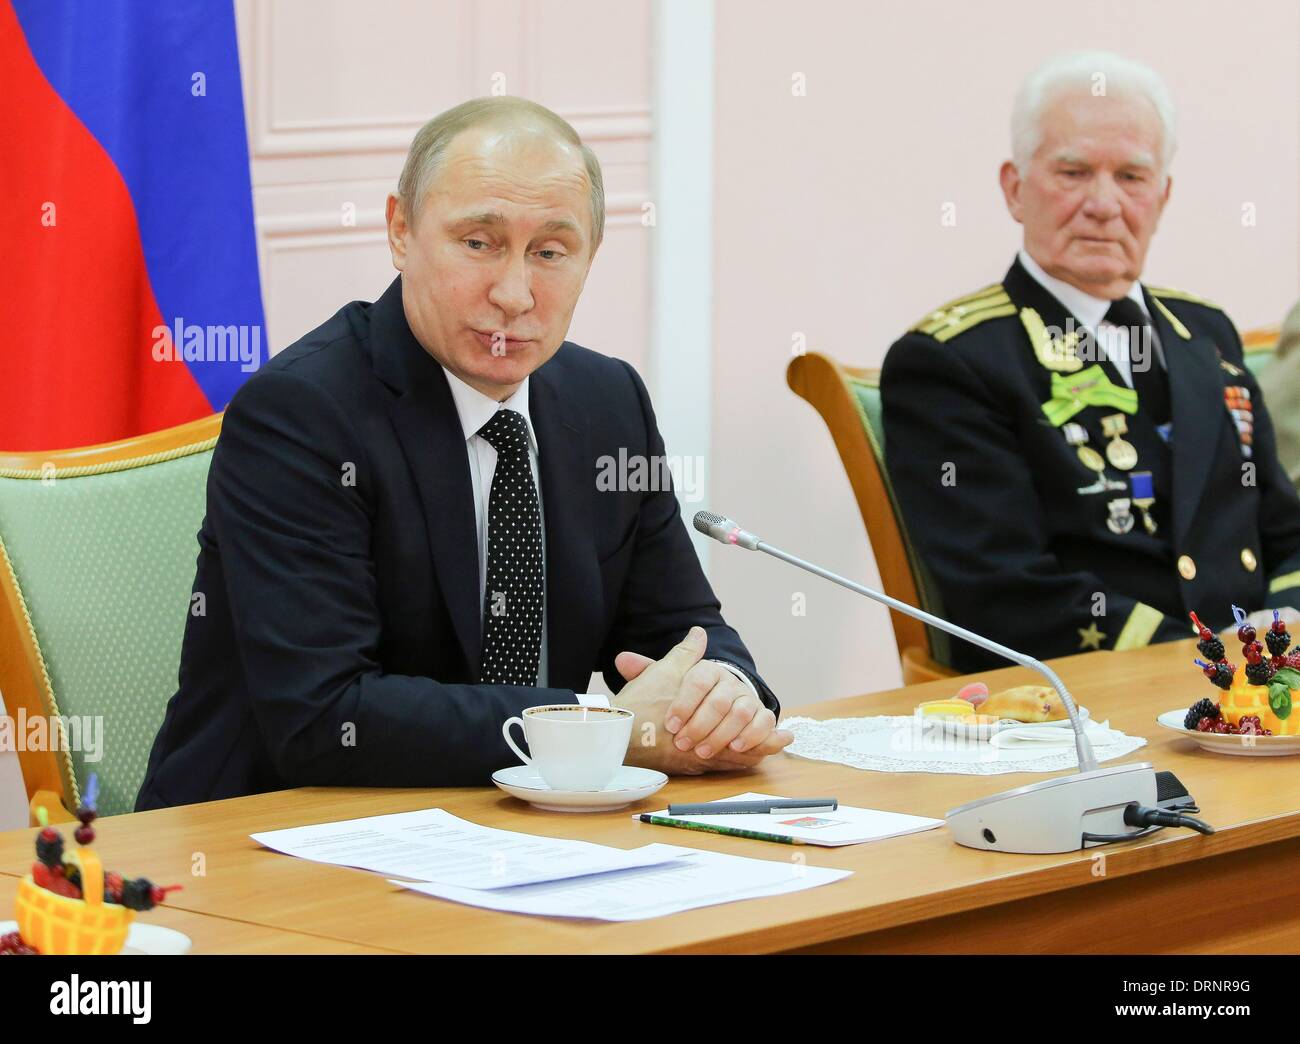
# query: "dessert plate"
1246,746
141,939
628,785
968,730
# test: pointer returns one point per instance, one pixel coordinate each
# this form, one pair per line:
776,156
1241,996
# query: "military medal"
1077,436
1144,497
1121,518
1236,398
1120,453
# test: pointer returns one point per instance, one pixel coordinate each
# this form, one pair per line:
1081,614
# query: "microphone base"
1053,815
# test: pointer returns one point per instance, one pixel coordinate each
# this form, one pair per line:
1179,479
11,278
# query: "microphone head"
724,530
706,521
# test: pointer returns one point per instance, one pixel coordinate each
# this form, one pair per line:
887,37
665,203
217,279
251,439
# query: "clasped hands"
693,715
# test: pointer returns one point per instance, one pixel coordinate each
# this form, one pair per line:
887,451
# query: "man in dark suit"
406,541
1082,460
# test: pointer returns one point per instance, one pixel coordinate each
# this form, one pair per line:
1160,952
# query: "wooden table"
218,934
920,893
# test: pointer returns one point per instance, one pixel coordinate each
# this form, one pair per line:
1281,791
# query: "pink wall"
827,222
826,207
334,91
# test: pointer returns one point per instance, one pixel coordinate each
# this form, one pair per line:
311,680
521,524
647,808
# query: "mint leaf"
1279,698
1289,675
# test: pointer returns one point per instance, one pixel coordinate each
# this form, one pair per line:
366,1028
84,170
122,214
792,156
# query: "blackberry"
1224,678
1212,648
49,847
1200,709
1258,673
137,894
1278,642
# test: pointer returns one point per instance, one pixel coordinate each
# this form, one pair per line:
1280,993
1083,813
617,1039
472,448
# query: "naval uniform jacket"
1018,540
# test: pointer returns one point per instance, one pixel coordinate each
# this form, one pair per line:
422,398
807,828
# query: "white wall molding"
681,339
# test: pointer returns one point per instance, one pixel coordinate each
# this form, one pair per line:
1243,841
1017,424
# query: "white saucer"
958,726
628,785
1222,743
141,939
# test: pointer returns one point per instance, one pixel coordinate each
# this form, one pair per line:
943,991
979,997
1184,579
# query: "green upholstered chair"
97,556
1260,348
848,400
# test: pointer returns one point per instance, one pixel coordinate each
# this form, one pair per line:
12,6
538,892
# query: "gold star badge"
1090,637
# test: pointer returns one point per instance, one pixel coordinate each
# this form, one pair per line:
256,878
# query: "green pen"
708,828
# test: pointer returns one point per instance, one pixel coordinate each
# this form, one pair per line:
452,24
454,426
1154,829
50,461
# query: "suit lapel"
568,480
1027,292
1196,397
428,427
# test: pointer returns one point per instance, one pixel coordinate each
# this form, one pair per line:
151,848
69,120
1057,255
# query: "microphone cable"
1152,819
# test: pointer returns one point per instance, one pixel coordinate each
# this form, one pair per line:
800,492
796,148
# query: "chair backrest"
848,400
1260,348
97,556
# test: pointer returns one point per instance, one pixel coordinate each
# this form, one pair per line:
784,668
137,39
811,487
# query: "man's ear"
1009,178
395,216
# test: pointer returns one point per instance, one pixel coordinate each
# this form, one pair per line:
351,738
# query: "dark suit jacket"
1016,552
338,561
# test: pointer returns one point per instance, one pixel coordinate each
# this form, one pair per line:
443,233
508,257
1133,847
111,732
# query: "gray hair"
424,159
1100,72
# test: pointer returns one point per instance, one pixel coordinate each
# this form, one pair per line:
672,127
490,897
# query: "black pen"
784,806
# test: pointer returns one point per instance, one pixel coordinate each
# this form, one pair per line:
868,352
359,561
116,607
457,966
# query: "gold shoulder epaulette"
1181,295
960,315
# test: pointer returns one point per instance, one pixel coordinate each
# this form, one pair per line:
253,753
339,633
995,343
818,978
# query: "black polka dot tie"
512,599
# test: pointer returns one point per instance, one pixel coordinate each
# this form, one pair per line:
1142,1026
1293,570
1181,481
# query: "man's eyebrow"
561,225
485,217
1141,159
496,218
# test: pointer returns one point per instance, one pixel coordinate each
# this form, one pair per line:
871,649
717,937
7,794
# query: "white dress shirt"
1090,311
475,409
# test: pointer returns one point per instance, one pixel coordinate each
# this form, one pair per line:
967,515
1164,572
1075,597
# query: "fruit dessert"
68,904
1259,695
974,704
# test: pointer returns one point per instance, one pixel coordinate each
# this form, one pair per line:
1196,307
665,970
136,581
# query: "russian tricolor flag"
129,291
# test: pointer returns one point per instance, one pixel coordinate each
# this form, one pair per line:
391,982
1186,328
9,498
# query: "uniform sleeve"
972,511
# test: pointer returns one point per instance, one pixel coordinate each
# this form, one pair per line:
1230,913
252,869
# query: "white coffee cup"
573,748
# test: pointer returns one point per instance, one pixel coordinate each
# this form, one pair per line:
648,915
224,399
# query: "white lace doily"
899,744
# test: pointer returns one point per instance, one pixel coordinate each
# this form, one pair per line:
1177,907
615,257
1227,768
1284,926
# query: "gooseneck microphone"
1089,807
726,531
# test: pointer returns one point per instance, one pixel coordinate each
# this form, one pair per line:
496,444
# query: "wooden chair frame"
823,382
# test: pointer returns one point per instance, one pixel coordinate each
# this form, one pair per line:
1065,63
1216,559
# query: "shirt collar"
1087,309
476,409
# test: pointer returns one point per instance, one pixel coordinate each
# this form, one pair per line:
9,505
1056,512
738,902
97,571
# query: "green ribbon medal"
1074,392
